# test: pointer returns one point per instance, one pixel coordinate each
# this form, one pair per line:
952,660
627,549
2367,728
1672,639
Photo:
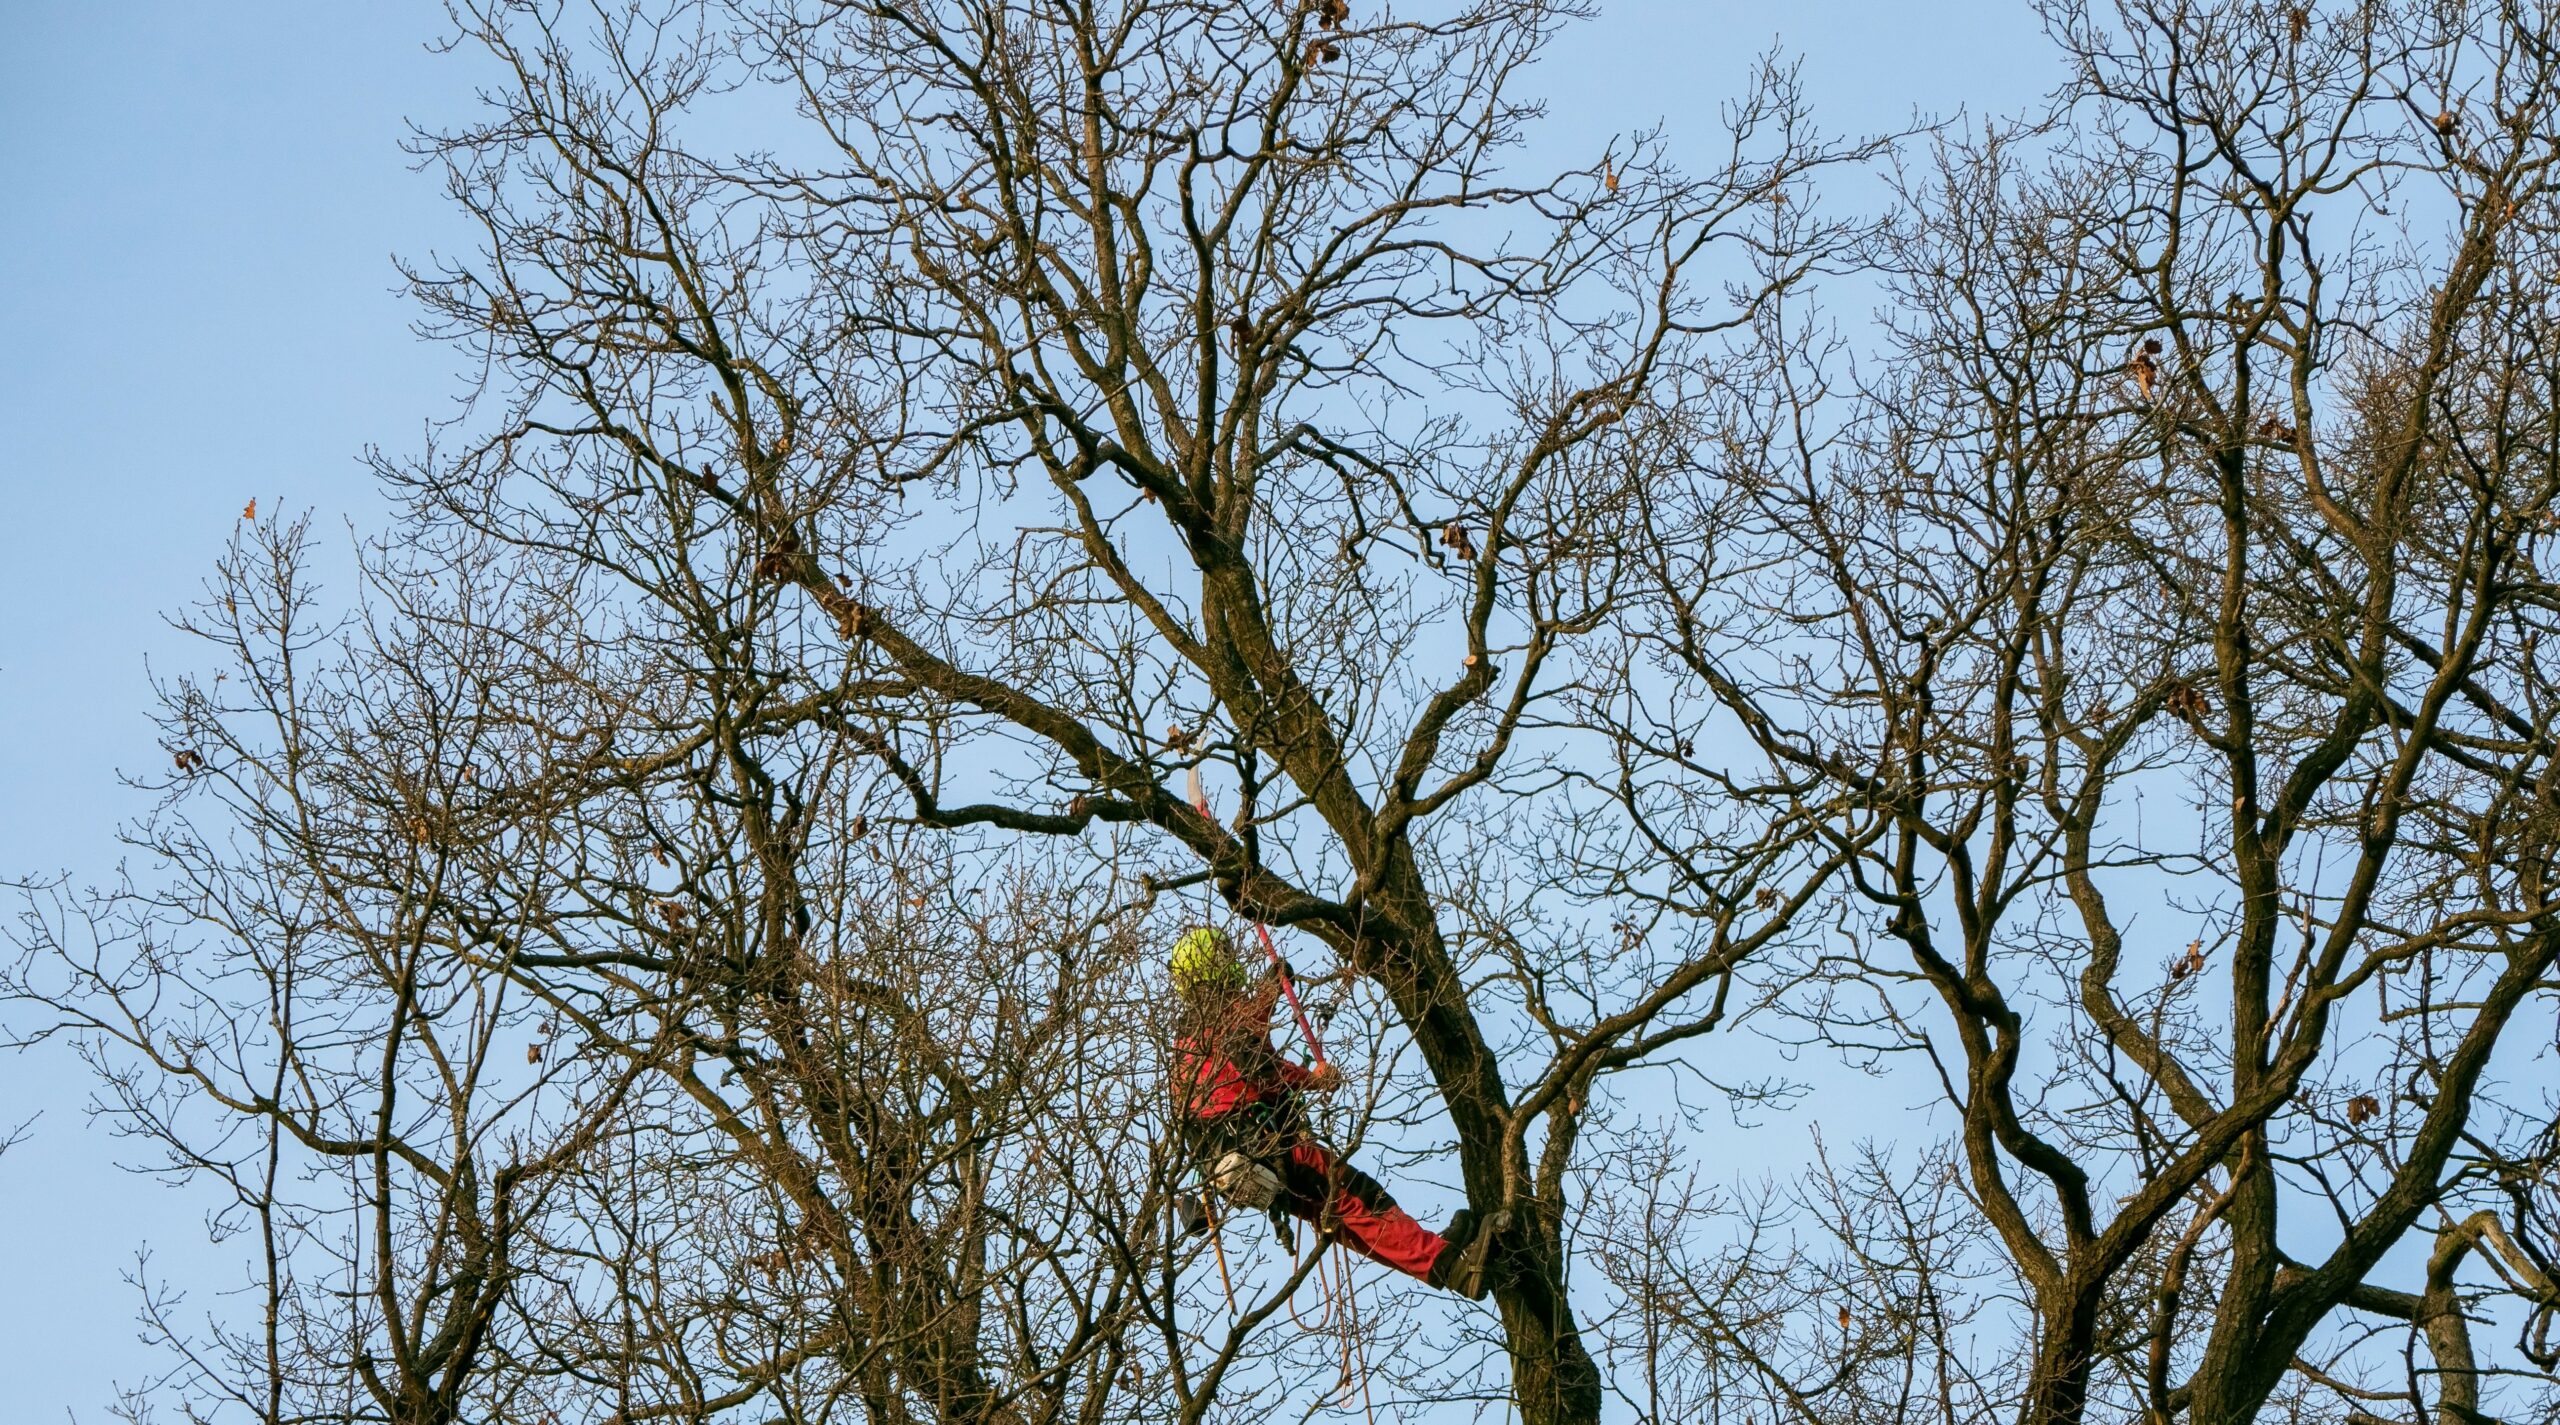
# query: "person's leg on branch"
1322,1188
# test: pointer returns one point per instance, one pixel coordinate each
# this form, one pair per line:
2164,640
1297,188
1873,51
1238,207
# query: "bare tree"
1260,428
681,943
2175,579
568,1050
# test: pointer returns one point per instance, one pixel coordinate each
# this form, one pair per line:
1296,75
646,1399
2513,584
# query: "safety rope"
1200,804
1341,1315
1280,967
1324,1318
1352,1341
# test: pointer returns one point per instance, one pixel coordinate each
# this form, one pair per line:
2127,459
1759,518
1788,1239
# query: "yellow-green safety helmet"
1204,958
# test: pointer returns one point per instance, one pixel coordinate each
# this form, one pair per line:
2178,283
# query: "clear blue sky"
199,205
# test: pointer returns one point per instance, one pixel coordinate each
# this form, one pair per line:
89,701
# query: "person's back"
1224,1064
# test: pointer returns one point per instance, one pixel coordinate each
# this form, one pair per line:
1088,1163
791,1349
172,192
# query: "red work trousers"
1321,1188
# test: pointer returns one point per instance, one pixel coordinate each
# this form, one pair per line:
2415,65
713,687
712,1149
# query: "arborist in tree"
1242,1113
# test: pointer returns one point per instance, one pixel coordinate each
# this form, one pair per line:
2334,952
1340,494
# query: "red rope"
1281,967
1200,804
1351,1337
1322,1290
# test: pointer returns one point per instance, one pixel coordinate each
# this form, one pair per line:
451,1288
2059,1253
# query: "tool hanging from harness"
1243,1181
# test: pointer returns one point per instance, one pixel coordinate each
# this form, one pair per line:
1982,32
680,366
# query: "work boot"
1461,1268
1453,1245
1455,1237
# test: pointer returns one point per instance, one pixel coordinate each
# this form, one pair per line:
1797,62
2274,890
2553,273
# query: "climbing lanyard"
1281,968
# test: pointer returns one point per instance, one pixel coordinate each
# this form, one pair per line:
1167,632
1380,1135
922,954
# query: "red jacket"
1224,1061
